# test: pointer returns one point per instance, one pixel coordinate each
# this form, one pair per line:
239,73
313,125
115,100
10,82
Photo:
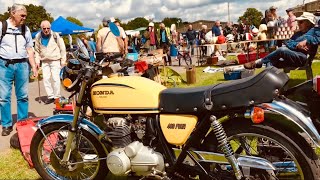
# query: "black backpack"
5,27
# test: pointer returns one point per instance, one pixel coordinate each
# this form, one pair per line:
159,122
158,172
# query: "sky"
91,12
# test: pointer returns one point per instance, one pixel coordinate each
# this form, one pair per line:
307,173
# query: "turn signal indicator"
67,82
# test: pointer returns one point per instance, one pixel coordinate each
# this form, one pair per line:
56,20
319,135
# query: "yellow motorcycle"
140,129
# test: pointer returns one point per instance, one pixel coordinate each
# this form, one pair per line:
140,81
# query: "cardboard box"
212,60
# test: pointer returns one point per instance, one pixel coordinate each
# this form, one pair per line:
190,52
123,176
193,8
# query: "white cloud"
91,12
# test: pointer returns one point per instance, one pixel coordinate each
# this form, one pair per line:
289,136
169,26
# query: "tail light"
257,115
316,84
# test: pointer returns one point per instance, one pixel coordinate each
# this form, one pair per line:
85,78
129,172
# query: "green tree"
74,20
36,14
252,17
136,23
168,21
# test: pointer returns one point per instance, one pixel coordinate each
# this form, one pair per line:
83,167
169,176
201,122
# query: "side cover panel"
177,128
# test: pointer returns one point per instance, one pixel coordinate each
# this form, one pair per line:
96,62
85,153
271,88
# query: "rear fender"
68,118
293,117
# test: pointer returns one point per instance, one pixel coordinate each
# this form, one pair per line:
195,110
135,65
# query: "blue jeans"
284,57
18,74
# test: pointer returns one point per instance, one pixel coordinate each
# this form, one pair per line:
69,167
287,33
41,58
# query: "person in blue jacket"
298,47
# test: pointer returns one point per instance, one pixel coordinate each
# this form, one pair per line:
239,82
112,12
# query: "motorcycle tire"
305,156
101,171
14,141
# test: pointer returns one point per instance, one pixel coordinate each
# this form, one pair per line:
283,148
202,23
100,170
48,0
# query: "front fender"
292,116
68,118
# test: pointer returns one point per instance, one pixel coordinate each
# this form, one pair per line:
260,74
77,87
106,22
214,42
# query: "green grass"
13,165
204,79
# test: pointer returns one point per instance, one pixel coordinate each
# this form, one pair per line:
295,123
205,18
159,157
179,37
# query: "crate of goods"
212,60
263,54
242,58
132,56
141,66
232,75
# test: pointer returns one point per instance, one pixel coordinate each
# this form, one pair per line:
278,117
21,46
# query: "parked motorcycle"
139,128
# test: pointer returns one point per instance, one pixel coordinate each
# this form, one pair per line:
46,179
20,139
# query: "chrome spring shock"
225,146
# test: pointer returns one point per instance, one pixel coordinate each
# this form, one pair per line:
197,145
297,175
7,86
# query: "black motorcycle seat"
257,89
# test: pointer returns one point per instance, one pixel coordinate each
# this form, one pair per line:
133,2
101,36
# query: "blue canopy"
65,27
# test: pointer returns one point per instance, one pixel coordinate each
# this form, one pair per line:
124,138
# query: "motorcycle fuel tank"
126,95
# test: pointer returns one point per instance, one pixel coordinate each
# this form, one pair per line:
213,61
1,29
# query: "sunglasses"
23,15
45,28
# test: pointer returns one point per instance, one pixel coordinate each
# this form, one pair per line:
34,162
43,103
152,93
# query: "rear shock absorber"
225,146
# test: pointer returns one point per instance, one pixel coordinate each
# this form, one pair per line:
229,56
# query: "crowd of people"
19,55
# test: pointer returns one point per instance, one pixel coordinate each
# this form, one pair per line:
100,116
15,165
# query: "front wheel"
292,157
85,159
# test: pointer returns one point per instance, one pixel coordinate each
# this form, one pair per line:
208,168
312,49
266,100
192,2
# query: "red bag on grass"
25,131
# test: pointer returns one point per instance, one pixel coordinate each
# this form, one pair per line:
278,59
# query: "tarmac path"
36,109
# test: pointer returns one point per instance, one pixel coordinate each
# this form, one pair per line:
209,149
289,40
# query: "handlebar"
100,56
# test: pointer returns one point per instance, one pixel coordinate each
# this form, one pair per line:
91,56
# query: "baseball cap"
307,16
106,19
151,24
289,9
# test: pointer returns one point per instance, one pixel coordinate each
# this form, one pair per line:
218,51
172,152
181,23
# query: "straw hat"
307,16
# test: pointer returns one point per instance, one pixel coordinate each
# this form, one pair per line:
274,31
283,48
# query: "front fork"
225,146
74,125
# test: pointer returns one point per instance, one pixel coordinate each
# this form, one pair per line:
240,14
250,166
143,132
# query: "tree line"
38,13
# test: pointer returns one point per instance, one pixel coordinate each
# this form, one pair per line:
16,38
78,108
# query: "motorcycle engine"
129,154
123,130
136,158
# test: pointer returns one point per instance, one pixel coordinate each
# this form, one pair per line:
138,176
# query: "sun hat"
273,7
151,24
307,16
263,27
255,31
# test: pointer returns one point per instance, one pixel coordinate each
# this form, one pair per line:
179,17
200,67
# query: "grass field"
13,165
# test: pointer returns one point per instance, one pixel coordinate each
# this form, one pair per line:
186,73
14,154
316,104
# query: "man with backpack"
16,49
51,51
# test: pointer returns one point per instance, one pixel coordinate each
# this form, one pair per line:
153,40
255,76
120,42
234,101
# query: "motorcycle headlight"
68,75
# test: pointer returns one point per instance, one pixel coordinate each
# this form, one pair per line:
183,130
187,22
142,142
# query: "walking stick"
39,100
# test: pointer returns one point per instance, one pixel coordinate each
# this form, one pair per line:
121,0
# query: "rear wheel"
290,154
84,163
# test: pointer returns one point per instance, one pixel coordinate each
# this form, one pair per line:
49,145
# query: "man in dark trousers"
165,42
191,37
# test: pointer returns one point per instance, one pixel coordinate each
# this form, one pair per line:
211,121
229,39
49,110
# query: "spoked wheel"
289,154
84,162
